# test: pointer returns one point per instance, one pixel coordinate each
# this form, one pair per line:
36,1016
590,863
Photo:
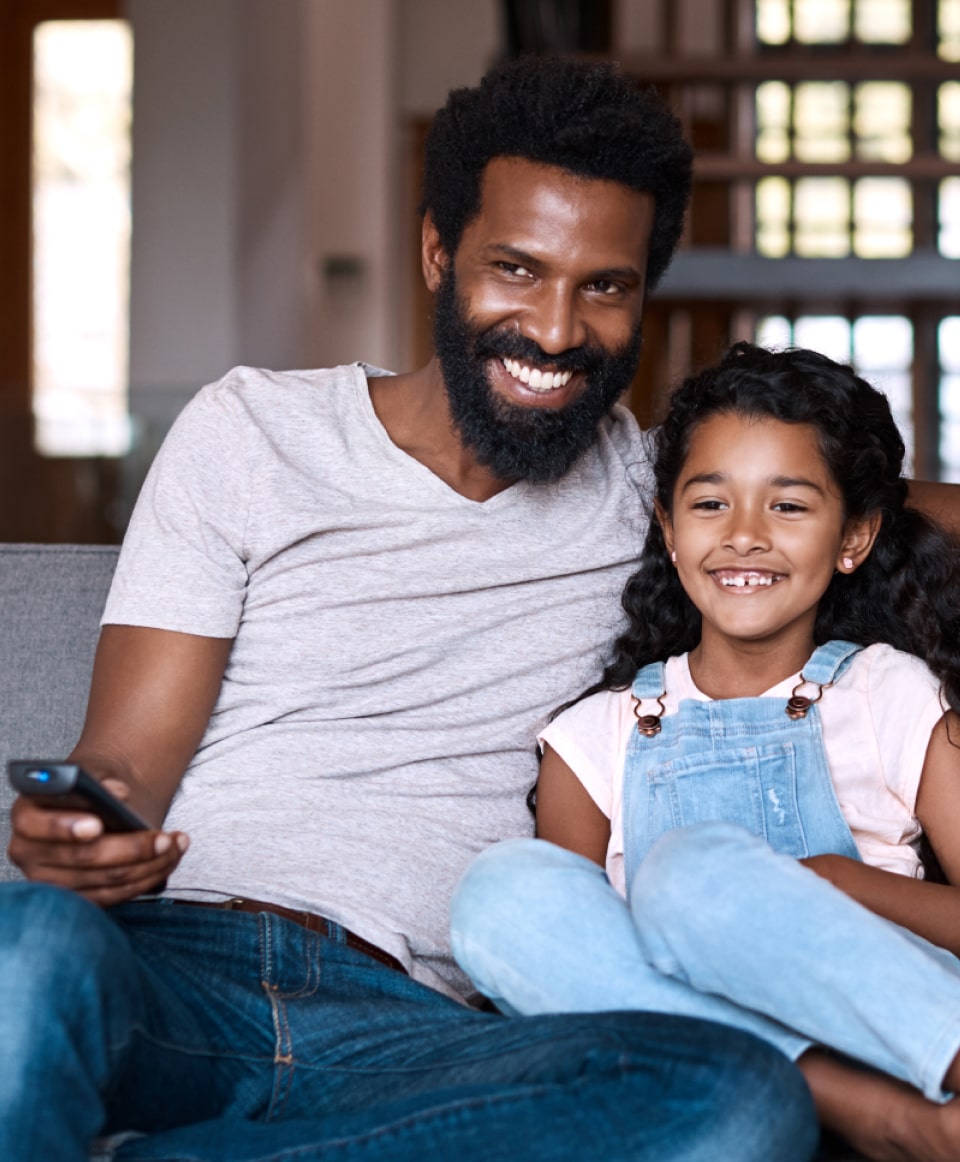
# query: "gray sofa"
51,597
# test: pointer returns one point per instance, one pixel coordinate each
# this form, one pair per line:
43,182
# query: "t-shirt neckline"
362,371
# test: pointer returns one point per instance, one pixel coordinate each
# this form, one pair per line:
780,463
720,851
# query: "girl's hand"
930,910
829,867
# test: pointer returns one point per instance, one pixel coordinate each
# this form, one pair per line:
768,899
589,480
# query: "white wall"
183,318
270,260
218,202
268,142
639,28
351,162
442,45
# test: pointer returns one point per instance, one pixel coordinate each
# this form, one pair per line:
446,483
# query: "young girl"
774,741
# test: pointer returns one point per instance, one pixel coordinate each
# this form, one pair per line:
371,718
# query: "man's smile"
534,378
538,382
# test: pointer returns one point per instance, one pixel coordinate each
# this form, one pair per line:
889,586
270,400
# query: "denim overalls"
721,921
737,760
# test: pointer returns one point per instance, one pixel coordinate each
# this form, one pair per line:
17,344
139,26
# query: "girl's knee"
507,878
509,895
689,866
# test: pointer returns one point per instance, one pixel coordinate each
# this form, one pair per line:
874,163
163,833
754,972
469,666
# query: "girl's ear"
858,538
662,518
433,257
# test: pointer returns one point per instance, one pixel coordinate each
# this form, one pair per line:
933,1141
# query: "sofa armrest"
51,599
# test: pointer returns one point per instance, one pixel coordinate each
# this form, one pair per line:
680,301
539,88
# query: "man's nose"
555,319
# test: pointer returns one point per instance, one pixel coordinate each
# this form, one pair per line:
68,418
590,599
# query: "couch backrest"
51,598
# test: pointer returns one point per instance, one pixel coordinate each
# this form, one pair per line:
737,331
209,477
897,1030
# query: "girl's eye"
789,506
708,505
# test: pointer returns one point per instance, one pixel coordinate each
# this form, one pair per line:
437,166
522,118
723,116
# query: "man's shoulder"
263,399
260,382
624,430
628,443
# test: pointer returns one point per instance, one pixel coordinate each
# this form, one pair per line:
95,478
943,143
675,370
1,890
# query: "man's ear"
433,257
662,517
859,535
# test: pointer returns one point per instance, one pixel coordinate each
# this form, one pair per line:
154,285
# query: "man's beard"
515,442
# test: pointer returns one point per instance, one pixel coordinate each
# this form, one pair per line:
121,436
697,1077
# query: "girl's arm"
931,910
566,815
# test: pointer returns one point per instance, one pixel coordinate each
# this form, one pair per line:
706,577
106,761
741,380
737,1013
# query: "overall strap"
828,662
650,682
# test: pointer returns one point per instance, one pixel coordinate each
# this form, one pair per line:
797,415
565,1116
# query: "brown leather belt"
306,920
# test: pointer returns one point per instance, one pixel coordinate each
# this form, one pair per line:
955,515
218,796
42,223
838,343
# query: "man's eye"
514,268
604,286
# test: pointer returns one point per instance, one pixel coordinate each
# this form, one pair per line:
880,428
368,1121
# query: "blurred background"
188,185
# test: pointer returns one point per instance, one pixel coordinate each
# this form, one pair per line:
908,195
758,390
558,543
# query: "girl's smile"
758,529
746,580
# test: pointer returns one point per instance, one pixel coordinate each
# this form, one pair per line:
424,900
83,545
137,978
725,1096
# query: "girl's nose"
747,532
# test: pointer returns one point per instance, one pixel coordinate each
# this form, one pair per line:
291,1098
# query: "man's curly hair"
589,119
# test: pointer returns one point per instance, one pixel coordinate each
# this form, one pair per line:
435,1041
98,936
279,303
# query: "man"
345,603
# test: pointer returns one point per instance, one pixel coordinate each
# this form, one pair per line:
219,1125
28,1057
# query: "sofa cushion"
51,598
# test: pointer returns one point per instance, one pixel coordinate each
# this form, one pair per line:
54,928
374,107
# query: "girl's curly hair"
906,593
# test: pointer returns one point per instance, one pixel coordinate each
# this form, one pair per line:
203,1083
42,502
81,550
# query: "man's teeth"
742,580
534,377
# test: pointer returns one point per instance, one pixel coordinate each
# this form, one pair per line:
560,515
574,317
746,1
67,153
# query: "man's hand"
150,700
70,849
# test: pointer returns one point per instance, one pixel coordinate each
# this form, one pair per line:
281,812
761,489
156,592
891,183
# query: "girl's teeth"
743,580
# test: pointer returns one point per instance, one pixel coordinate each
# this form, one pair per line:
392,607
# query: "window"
879,347
81,236
949,344
833,122
833,21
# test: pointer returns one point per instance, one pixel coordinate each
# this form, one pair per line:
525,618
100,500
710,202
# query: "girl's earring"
847,562
673,557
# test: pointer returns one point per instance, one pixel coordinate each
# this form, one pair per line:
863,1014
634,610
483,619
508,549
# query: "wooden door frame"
18,18
43,499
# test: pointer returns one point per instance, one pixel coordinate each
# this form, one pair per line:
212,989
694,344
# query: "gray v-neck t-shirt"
396,645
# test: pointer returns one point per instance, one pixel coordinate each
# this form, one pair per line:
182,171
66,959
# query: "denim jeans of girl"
721,922
231,1037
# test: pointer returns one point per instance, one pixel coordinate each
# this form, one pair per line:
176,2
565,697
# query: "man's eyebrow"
618,273
514,253
524,258
774,481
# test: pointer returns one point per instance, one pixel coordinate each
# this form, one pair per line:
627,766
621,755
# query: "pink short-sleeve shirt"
877,721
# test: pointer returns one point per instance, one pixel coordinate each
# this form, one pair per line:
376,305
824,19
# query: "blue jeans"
719,927
225,1036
